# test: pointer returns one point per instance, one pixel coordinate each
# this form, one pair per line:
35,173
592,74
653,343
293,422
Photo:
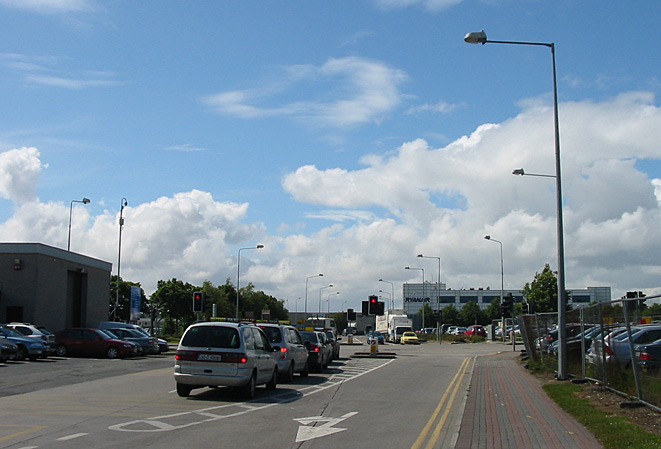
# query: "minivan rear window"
272,333
212,337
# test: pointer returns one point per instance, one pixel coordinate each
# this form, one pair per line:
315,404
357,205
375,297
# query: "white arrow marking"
306,432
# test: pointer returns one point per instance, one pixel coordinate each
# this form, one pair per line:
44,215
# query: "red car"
476,330
92,343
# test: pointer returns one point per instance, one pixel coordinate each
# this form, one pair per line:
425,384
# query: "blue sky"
346,137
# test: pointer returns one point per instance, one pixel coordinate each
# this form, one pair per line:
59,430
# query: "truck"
393,324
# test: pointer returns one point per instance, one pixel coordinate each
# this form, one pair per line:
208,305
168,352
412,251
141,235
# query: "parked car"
92,343
148,345
28,347
649,356
409,338
163,345
376,335
216,354
30,330
450,330
620,349
458,331
319,352
335,344
8,349
291,352
476,330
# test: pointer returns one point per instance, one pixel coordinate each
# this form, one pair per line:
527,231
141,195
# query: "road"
411,401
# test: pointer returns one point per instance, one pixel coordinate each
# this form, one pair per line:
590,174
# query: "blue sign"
135,303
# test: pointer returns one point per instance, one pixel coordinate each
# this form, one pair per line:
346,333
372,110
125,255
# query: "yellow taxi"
409,338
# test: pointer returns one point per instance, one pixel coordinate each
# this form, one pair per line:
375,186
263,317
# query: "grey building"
52,287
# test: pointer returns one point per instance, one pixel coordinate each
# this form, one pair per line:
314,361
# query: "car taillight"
646,356
283,350
315,348
225,357
609,351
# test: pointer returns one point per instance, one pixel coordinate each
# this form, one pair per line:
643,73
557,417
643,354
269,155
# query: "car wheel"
249,389
306,370
61,351
21,353
112,352
184,390
271,384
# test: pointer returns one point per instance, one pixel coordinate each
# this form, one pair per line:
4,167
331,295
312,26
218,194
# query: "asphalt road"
411,401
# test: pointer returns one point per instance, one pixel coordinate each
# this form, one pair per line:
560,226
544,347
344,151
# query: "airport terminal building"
438,296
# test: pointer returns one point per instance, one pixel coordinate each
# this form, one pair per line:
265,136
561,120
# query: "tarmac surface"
507,408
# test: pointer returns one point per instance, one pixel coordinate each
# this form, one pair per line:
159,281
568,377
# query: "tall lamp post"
319,309
84,201
328,303
123,204
502,279
305,317
389,296
238,275
423,292
480,37
438,286
392,289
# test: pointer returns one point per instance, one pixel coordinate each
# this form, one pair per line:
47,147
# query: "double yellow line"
445,404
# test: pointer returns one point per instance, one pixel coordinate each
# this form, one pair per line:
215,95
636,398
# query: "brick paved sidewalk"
507,408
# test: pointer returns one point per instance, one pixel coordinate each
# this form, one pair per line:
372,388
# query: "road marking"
451,391
182,420
27,430
307,432
71,437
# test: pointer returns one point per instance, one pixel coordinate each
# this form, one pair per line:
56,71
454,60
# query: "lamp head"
420,255
476,37
407,268
259,246
86,201
487,237
518,171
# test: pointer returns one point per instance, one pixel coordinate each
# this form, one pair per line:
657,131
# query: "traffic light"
380,308
198,301
351,315
366,308
373,301
637,295
507,305
438,316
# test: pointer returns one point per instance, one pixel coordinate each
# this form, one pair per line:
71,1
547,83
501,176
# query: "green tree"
450,315
122,310
470,314
492,312
174,300
429,320
542,292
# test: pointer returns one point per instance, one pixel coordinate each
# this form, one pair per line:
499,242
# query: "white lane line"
71,437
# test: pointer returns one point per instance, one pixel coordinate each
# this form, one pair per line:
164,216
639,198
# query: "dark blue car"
649,356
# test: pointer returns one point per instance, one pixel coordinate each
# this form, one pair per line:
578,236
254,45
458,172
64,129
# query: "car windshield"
272,333
309,336
108,334
9,332
212,337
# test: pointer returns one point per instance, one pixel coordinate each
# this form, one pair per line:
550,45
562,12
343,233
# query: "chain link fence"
616,344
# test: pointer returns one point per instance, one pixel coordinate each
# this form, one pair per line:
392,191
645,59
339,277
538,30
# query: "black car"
7,349
319,351
335,345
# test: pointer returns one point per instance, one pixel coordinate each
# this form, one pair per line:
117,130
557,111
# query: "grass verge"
613,432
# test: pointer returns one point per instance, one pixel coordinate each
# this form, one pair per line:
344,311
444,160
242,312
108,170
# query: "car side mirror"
275,348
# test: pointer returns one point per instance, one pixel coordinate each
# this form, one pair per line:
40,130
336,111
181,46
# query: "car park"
215,354
163,345
458,331
409,338
450,330
92,343
649,356
148,345
319,352
291,353
28,347
32,331
618,348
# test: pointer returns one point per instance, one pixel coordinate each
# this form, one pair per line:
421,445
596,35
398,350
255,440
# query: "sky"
346,137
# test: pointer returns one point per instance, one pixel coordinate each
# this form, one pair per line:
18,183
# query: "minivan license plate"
209,357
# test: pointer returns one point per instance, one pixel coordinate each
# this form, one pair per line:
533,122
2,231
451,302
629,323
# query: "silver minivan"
215,354
291,352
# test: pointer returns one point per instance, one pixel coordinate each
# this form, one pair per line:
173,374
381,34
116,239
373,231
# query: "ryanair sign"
416,299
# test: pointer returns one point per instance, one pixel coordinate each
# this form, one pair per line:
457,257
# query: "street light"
328,303
306,293
238,276
502,279
423,292
122,204
521,172
389,295
480,37
392,296
84,201
438,287
319,308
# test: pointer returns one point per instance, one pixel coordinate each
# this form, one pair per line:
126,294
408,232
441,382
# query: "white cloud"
19,172
416,199
369,88
432,5
49,6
